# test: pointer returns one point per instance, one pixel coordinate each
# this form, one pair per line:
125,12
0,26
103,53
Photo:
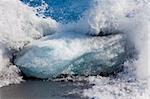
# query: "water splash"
131,17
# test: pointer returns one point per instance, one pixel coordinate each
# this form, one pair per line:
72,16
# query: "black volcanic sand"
38,89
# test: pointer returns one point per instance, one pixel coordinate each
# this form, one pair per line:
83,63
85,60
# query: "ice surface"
72,53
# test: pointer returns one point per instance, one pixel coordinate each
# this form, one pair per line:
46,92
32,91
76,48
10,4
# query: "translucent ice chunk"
70,53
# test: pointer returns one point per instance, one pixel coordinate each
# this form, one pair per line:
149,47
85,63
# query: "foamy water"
19,26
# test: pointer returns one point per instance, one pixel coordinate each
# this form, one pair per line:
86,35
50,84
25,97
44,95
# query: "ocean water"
48,90
25,21
63,11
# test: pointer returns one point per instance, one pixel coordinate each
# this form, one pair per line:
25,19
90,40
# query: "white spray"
18,26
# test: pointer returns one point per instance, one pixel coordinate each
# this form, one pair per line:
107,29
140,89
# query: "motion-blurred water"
63,11
21,24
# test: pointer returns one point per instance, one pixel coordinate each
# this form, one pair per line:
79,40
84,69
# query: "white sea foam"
18,26
132,17
124,86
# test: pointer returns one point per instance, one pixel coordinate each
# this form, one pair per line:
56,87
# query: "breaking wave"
18,26
21,24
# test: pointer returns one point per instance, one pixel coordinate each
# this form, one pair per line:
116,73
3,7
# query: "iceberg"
72,54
